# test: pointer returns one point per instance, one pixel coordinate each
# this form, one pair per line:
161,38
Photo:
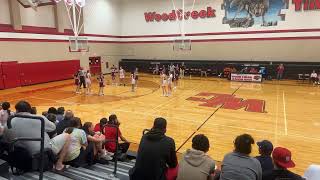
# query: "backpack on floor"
22,161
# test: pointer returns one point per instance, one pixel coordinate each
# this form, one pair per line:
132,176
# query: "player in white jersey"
170,78
121,76
133,81
88,82
163,83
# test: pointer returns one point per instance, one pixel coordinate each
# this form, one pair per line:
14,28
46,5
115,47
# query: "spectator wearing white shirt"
313,172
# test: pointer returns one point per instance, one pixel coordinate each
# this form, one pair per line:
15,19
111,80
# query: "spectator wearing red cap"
265,159
282,161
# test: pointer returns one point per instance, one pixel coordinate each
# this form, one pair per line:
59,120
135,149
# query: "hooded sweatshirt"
156,153
195,165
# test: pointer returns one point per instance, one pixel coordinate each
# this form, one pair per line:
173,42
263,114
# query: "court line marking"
285,114
277,118
205,122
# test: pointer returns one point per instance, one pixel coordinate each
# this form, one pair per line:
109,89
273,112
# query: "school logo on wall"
179,15
306,5
248,13
227,101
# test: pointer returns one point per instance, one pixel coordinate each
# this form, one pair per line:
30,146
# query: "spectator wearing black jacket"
156,153
265,159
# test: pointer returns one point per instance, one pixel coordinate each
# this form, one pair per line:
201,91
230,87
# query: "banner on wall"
246,77
244,13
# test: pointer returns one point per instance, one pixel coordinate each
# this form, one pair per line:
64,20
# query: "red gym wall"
14,74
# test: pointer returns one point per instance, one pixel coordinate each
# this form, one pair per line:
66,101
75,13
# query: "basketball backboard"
35,3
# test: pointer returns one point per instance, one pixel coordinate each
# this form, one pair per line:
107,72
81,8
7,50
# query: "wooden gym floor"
290,118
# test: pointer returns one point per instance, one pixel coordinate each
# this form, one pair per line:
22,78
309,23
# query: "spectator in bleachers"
314,77
34,110
196,164
62,125
265,159
97,139
52,118
99,127
282,161
312,173
76,153
52,110
24,127
4,115
60,114
238,164
110,134
157,153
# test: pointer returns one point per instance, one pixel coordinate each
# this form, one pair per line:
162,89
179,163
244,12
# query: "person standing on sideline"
133,81
88,82
101,84
136,76
113,75
280,71
182,69
121,76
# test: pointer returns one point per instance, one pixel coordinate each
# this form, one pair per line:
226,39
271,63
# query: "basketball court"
288,118
285,112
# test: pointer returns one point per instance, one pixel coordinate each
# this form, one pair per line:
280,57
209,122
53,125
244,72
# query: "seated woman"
97,139
99,127
77,153
110,134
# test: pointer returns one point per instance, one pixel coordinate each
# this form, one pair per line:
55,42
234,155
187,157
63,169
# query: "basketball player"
76,81
133,81
121,76
169,81
113,75
136,76
82,79
176,77
101,84
163,83
156,71
88,82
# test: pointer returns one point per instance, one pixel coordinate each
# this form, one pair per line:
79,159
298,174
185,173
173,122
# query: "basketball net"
74,9
182,11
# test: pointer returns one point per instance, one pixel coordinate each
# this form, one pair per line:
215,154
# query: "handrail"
32,139
117,144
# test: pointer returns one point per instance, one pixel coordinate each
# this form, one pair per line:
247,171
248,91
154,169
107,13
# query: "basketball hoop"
75,10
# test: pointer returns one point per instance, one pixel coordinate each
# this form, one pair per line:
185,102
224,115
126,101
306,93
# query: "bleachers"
94,172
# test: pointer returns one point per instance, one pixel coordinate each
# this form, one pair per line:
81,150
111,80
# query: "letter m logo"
227,101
